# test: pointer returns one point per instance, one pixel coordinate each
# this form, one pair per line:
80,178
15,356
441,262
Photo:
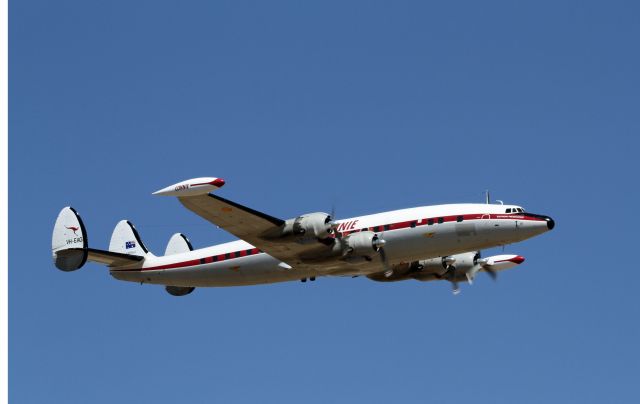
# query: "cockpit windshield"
515,210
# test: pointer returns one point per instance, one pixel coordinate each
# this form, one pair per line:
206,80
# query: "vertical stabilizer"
179,243
126,240
69,241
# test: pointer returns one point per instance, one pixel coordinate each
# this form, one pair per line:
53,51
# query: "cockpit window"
509,210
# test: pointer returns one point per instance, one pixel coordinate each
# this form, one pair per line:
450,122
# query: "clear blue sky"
366,105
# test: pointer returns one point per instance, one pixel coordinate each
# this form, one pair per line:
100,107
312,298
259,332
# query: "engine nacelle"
361,244
440,266
318,225
305,228
463,266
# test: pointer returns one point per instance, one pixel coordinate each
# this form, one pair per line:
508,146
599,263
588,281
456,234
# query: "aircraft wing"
265,232
247,224
241,221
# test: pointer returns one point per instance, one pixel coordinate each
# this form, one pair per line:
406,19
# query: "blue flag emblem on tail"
130,244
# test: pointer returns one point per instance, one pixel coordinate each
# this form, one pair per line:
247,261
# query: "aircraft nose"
550,223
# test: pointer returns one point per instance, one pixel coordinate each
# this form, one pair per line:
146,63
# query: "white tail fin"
69,241
126,240
179,243
70,246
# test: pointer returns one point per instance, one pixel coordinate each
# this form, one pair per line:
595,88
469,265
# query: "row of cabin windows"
235,254
414,224
441,220
429,222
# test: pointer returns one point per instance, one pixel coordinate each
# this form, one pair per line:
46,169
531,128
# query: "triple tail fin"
179,243
70,245
126,240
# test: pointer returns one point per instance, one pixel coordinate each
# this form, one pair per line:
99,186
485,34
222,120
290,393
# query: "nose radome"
550,223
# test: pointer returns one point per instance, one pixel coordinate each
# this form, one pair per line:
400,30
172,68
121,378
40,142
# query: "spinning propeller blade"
378,243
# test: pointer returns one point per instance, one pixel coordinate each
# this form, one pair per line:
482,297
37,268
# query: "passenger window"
386,227
250,252
413,224
440,220
376,228
460,218
227,256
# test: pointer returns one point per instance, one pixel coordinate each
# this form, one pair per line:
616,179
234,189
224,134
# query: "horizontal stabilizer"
110,258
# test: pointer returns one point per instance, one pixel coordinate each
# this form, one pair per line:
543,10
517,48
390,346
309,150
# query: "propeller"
451,271
478,262
378,244
492,274
450,274
330,221
487,268
455,289
491,265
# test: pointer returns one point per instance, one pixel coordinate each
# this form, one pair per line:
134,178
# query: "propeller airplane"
440,242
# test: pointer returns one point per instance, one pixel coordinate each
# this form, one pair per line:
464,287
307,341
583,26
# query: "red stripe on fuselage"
445,219
380,228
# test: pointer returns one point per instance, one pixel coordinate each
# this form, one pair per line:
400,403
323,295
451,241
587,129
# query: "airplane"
440,242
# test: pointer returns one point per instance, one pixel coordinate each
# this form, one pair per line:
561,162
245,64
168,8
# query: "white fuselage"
410,235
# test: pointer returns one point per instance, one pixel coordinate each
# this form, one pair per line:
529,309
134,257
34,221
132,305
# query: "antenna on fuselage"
488,198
